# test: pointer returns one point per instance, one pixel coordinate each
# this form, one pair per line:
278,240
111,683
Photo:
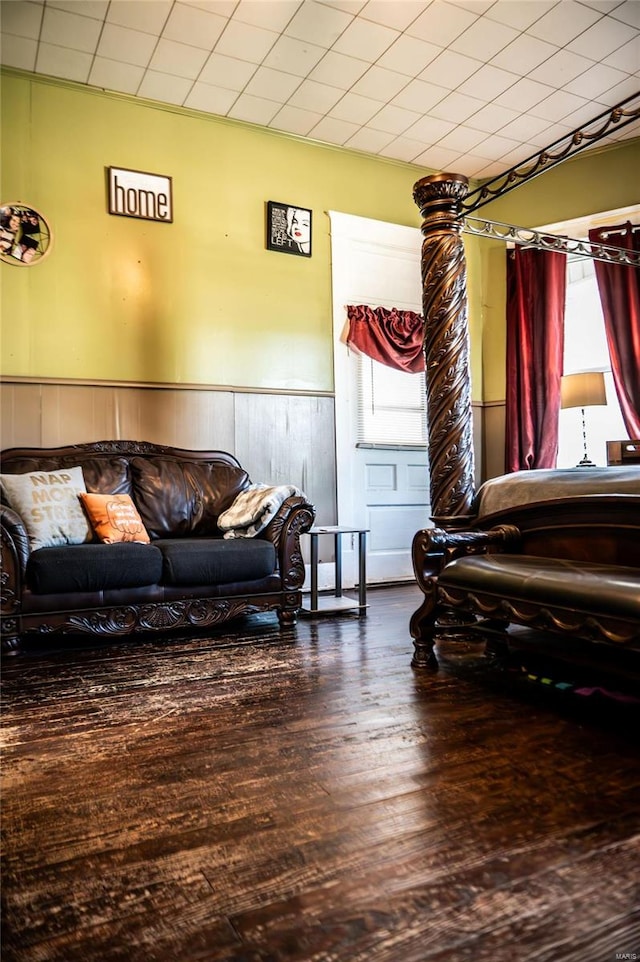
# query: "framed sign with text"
135,193
288,229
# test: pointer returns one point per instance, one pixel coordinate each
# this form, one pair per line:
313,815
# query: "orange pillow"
114,518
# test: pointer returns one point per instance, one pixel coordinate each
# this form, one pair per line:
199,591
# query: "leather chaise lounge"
188,575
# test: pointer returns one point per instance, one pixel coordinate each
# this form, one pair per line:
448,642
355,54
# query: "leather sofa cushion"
179,499
93,567
215,561
584,586
101,475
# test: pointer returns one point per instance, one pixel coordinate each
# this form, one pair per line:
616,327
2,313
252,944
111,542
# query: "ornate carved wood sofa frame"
188,576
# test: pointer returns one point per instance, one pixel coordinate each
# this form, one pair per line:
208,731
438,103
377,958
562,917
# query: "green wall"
197,301
201,300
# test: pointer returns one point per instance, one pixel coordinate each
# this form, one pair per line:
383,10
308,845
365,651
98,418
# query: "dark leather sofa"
188,576
555,551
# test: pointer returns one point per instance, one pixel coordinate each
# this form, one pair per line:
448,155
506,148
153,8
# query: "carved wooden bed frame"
444,201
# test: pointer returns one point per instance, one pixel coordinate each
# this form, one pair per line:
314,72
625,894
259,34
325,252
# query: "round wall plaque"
25,236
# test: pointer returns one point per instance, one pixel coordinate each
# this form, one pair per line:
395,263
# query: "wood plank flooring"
257,796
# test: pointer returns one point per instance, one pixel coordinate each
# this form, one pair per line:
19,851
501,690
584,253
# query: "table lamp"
581,391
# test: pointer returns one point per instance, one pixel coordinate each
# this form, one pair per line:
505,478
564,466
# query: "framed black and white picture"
25,236
288,229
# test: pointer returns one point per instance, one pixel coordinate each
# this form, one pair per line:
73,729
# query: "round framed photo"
25,236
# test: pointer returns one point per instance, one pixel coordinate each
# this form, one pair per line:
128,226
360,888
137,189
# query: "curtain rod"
539,240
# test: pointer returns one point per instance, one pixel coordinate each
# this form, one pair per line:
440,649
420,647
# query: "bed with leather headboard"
554,550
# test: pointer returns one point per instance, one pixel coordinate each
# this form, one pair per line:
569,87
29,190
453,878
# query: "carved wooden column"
446,348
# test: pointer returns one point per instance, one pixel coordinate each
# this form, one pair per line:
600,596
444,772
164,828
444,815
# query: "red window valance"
390,336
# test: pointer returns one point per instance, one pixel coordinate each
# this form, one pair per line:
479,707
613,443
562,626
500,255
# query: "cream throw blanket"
254,508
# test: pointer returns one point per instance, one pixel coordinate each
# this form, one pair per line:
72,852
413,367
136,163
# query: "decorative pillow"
114,518
47,502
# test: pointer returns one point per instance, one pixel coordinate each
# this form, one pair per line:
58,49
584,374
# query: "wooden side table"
337,602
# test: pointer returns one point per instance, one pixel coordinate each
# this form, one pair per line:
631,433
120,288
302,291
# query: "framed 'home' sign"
135,193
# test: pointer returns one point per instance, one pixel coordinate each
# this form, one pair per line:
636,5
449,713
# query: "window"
585,349
391,406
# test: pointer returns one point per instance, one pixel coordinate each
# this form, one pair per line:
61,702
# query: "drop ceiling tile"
255,110
318,24
601,40
560,69
193,26
63,62
471,166
438,158
520,14
366,40
595,81
474,6
272,84
524,54
338,70
223,8
296,57
333,131
349,6
628,12
409,55
164,87
450,69
420,96
394,120
22,19
492,118
227,72
315,97
626,58
403,148
18,52
115,75
496,145
462,139
369,140
456,107
211,99
441,23
149,16
484,37
524,94
274,15
178,59
488,83
429,130
563,23
87,8
355,109
524,127
70,30
603,6
397,15
380,84
295,120
619,93
245,42
557,106
127,46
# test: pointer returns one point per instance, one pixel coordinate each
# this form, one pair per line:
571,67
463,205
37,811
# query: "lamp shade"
582,390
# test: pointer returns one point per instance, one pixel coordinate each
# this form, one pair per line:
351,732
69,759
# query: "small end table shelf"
337,602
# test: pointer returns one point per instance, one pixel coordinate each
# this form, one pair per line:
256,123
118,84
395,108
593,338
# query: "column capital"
439,198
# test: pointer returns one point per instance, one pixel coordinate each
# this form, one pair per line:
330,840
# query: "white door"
382,487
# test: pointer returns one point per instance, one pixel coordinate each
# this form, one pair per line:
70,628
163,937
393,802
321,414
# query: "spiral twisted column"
446,347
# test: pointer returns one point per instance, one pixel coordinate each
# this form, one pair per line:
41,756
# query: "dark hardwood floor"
307,797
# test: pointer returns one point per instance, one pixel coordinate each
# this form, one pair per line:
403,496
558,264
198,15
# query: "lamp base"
586,463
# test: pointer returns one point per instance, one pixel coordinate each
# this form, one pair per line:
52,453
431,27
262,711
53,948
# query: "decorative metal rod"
618,116
527,237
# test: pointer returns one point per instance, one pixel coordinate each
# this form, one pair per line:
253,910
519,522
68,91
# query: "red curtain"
619,286
390,336
536,287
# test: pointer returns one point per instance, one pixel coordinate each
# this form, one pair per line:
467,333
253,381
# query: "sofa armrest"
434,547
14,546
294,517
